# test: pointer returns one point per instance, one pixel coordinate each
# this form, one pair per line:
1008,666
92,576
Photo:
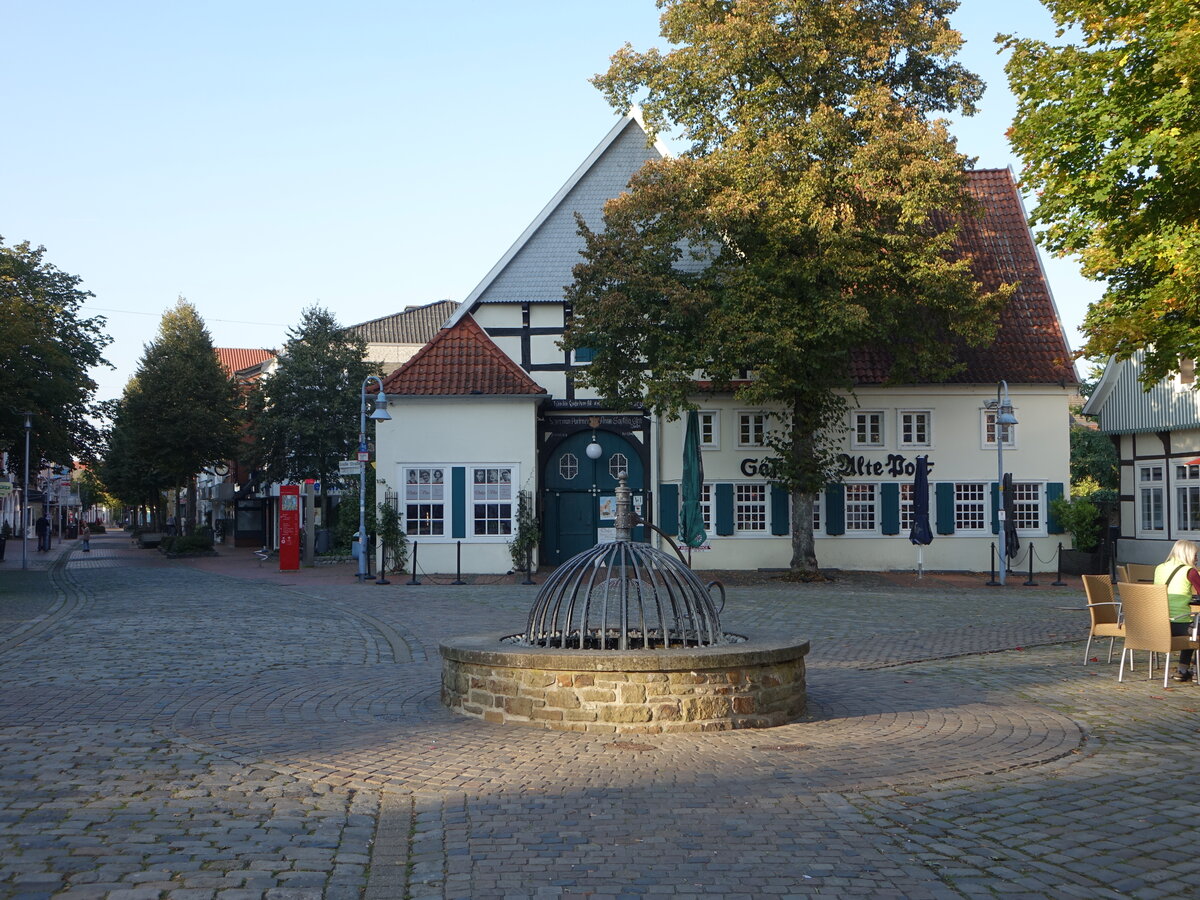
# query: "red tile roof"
1030,347
461,360
233,359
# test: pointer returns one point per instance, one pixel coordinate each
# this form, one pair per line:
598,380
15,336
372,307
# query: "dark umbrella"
692,521
921,533
1012,545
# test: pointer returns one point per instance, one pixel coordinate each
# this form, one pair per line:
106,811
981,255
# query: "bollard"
413,580
1058,582
1030,582
528,568
992,582
457,564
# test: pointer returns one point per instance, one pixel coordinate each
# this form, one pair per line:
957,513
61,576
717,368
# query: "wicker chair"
1105,612
1140,574
1148,625
1123,575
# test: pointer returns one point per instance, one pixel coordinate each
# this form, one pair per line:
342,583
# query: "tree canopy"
307,415
180,412
812,215
1108,128
48,348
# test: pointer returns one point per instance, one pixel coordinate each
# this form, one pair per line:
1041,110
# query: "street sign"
6,489
364,456
348,466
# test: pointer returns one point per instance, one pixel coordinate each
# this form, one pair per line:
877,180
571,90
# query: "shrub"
1080,518
96,527
188,543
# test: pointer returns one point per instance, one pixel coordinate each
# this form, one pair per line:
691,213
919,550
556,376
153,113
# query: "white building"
1157,436
490,407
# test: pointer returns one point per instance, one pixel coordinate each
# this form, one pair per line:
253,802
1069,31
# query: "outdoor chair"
1105,611
1148,626
1123,574
1140,574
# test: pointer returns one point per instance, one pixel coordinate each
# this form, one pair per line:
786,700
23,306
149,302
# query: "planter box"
1080,562
149,539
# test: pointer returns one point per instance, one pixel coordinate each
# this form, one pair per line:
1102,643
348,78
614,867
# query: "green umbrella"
692,522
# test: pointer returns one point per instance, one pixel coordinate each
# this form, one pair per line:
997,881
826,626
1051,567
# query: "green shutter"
889,495
835,509
944,492
723,494
995,508
780,508
668,508
1054,491
458,502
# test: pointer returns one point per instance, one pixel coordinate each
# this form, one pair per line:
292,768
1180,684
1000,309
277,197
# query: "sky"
261,157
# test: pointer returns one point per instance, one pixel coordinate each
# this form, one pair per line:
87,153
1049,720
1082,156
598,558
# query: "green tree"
812,214
48,348
307,414
1094,457
179,413
1108,128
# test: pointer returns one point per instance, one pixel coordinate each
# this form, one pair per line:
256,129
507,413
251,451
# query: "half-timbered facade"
487,437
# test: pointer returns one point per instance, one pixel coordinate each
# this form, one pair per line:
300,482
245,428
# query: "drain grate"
785,748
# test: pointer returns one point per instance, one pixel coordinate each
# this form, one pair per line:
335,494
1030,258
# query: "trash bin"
356,548
324,540
72,531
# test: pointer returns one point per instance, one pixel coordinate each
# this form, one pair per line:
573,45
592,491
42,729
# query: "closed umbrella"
1012,544
692,520
921,534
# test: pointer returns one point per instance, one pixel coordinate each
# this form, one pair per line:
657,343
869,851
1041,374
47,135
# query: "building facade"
491,408
1157,436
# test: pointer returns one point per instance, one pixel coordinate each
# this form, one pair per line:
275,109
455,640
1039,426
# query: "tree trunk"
804,550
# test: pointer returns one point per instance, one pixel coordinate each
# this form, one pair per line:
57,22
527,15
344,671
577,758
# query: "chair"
1148,625
1123,575
1140,574
1105,612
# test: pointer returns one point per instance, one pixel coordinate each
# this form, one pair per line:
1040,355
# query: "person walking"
42,529
86,534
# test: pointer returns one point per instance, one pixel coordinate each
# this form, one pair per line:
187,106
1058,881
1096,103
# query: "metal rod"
414,580
25,498
992,582
1058,582
1030,582
458,564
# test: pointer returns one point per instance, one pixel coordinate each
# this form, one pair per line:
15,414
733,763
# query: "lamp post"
1003,417
380,414
25,497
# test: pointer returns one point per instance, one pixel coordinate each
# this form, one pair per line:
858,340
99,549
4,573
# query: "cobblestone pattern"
170,733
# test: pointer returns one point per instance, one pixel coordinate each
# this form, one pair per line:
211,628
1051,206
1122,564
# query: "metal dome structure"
623,595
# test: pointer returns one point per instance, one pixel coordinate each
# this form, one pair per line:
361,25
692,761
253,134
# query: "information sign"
289,526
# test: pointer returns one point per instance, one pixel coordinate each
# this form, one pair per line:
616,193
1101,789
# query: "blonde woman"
1182,579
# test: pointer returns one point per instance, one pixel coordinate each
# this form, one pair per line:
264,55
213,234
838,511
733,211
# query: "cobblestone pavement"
218,730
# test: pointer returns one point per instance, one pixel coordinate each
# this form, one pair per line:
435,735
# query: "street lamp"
380,414
1003,417
25,497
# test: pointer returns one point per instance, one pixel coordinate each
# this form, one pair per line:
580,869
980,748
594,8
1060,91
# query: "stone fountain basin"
756,683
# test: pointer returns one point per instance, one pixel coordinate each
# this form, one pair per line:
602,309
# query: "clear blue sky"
258,157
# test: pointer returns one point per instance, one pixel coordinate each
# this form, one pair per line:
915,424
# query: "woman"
86,534
1182,579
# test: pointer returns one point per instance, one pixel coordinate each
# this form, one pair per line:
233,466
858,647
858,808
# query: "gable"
539,265
1123,407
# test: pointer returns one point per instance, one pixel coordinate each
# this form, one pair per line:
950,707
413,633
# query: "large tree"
180,412
307,415
811,215
1108,127
48,348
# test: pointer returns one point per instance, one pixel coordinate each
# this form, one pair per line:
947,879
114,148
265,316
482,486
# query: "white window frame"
907,517
818,512
913,445
1149,487
706,507
964,506
1024,506
866,503
438,496
1185,495
987,435
859,416
744,508
487,488
756,420
713,440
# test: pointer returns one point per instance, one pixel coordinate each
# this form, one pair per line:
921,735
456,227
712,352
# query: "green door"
579,491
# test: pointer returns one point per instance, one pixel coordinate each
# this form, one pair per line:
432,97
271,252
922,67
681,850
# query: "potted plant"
526,539
1081,519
